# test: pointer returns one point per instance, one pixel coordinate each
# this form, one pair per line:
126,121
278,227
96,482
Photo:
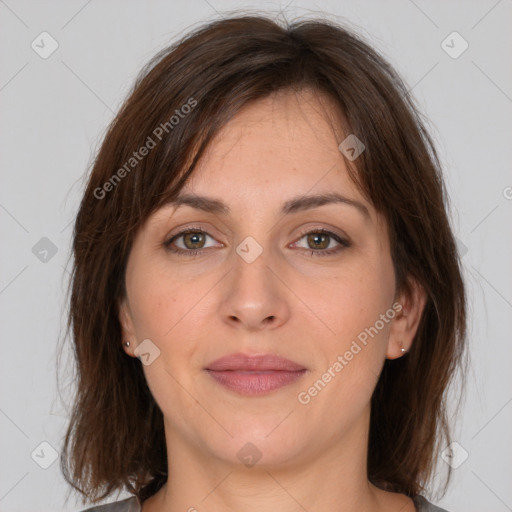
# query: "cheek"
356,299
158,300
165,310
171,312
351,353
351,317
154,312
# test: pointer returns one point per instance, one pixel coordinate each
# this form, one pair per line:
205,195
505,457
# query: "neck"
334,478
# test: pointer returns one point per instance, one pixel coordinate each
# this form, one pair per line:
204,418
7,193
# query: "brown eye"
194,240
318,240
322,242
189,242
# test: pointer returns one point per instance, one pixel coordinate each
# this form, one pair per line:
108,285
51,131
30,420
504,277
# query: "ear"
127,327
410,306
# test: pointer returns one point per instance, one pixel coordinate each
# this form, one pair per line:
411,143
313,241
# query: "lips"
243,362
254,375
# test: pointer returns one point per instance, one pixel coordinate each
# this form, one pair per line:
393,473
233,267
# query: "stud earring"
126,343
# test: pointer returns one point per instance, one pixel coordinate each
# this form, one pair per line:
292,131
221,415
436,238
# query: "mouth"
254,375
255,382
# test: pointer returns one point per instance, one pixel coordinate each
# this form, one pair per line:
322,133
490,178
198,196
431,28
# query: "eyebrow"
296,204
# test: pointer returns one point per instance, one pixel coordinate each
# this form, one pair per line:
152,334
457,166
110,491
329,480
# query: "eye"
323,242
190,241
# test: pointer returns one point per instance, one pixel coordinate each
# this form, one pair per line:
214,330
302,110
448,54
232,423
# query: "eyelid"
341,239
328,230
188,229
303,231
343,242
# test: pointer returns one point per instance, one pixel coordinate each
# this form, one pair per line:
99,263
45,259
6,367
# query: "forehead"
283,145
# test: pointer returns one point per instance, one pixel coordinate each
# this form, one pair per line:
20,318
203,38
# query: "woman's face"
261,285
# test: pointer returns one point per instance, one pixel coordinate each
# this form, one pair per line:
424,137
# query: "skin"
303,307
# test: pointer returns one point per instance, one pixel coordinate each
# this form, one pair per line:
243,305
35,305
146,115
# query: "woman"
267,303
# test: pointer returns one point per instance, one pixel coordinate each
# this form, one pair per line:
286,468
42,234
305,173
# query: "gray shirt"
133,505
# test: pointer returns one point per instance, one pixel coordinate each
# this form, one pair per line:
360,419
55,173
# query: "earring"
126,343
402,347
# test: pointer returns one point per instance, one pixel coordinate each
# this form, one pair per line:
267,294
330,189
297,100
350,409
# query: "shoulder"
128,505
423,505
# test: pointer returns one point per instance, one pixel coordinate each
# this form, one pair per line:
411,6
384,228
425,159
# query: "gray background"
54,112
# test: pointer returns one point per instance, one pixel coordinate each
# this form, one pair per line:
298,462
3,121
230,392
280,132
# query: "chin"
261,447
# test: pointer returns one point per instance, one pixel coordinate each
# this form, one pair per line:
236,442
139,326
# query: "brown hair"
115,439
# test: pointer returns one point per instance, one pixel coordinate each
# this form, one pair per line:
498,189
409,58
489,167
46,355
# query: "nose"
254,298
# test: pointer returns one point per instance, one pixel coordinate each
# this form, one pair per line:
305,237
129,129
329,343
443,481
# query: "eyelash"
323,252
